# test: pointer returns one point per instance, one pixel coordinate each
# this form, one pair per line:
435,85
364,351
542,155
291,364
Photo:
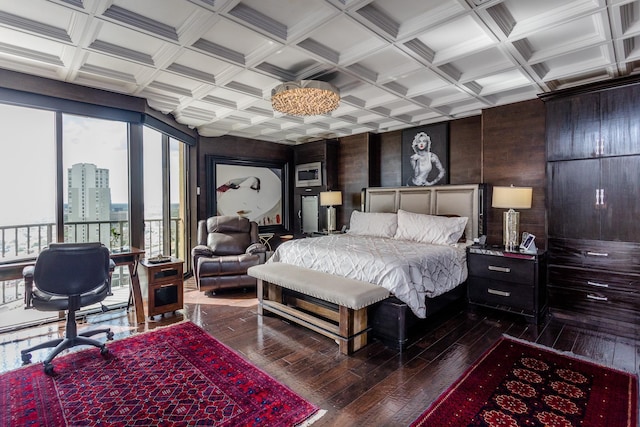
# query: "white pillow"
423,228
376,224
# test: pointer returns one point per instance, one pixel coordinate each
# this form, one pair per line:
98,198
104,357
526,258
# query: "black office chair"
68,276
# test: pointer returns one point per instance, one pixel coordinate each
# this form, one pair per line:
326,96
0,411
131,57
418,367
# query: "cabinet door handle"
597,298
499,293
597,196
589,253
599,285
500,269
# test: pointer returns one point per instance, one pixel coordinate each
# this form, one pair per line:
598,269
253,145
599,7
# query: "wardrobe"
593,175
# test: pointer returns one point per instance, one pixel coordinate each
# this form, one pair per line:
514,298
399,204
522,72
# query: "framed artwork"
425,155
248,188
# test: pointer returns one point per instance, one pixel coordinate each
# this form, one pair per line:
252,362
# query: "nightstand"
509,281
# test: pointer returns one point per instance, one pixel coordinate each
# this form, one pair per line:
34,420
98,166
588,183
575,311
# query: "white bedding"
409,270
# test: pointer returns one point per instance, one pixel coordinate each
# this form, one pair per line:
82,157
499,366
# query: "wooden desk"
131,258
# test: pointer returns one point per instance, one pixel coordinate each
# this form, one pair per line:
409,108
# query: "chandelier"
305,98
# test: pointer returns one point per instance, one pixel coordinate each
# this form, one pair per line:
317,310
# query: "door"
620,121
620,184
573,127
574,211
309,214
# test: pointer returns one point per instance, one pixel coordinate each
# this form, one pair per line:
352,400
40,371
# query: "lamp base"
331,219
511,221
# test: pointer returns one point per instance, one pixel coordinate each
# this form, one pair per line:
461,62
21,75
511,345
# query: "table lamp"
331,199
511,198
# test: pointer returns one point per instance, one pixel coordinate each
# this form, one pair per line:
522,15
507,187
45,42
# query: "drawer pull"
499,293
599,285
589,253
597,298
500,269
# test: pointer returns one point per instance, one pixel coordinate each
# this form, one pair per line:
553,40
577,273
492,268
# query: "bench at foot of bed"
331,305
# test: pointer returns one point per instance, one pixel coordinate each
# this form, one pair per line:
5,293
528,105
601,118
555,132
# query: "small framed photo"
528,244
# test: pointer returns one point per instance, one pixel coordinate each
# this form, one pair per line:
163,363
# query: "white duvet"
409,270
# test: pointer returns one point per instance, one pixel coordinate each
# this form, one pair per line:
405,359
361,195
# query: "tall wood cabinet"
593,172
326,152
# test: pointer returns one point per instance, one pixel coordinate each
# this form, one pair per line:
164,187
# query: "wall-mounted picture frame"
253,189
425,155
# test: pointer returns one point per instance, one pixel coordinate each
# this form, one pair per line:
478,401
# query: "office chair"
68,276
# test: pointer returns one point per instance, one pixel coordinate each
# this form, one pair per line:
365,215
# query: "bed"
410,240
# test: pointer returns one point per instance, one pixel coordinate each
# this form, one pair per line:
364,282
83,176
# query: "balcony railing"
20,243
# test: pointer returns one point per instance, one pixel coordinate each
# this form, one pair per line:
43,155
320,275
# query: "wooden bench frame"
347,326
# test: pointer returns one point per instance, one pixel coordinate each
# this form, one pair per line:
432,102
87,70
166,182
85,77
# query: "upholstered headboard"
463,200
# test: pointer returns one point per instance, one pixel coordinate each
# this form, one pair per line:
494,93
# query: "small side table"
264,239
164,285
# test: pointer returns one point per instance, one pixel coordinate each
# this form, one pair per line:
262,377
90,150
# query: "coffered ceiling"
398,63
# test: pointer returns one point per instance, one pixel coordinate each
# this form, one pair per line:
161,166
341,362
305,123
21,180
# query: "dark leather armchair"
66,277
227,246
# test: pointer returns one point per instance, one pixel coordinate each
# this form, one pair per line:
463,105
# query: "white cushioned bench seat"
338,290
342,316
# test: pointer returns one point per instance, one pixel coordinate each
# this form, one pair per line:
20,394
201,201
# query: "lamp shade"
512,197
330,198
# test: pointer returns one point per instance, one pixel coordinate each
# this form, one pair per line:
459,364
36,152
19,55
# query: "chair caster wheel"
26,358
48,368
110,335
104,351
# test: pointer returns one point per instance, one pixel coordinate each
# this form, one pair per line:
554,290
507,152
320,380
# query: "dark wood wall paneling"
358,167
465,151
513,138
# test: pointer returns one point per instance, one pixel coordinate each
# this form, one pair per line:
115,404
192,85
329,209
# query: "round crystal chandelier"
305,98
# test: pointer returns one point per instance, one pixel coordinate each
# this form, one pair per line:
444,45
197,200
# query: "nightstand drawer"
496,292
502,268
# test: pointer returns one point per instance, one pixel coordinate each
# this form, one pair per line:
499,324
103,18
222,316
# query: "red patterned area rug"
517,384
174,376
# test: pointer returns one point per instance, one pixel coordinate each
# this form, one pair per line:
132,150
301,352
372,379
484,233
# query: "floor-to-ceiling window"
68,177
164,194
27,182
95,173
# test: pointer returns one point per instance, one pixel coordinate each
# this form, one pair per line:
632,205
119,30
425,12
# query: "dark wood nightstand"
508,281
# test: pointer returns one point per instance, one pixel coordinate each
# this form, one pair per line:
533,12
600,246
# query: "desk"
129,257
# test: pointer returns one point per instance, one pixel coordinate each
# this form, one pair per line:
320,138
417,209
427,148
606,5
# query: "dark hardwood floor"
376,386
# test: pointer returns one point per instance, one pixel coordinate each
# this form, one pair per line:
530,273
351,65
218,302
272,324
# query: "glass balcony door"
164,194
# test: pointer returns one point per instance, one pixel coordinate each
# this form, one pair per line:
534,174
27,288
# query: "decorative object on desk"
305,98
178,375
159,259
528,244
511,198
331,199
516,384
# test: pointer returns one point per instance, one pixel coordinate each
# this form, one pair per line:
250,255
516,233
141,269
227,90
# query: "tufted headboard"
467,200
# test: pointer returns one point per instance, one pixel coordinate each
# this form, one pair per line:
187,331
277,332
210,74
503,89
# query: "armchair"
66,277
227,246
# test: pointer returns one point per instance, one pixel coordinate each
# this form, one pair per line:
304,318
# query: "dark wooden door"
573,212
620,182
620,117
573,127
